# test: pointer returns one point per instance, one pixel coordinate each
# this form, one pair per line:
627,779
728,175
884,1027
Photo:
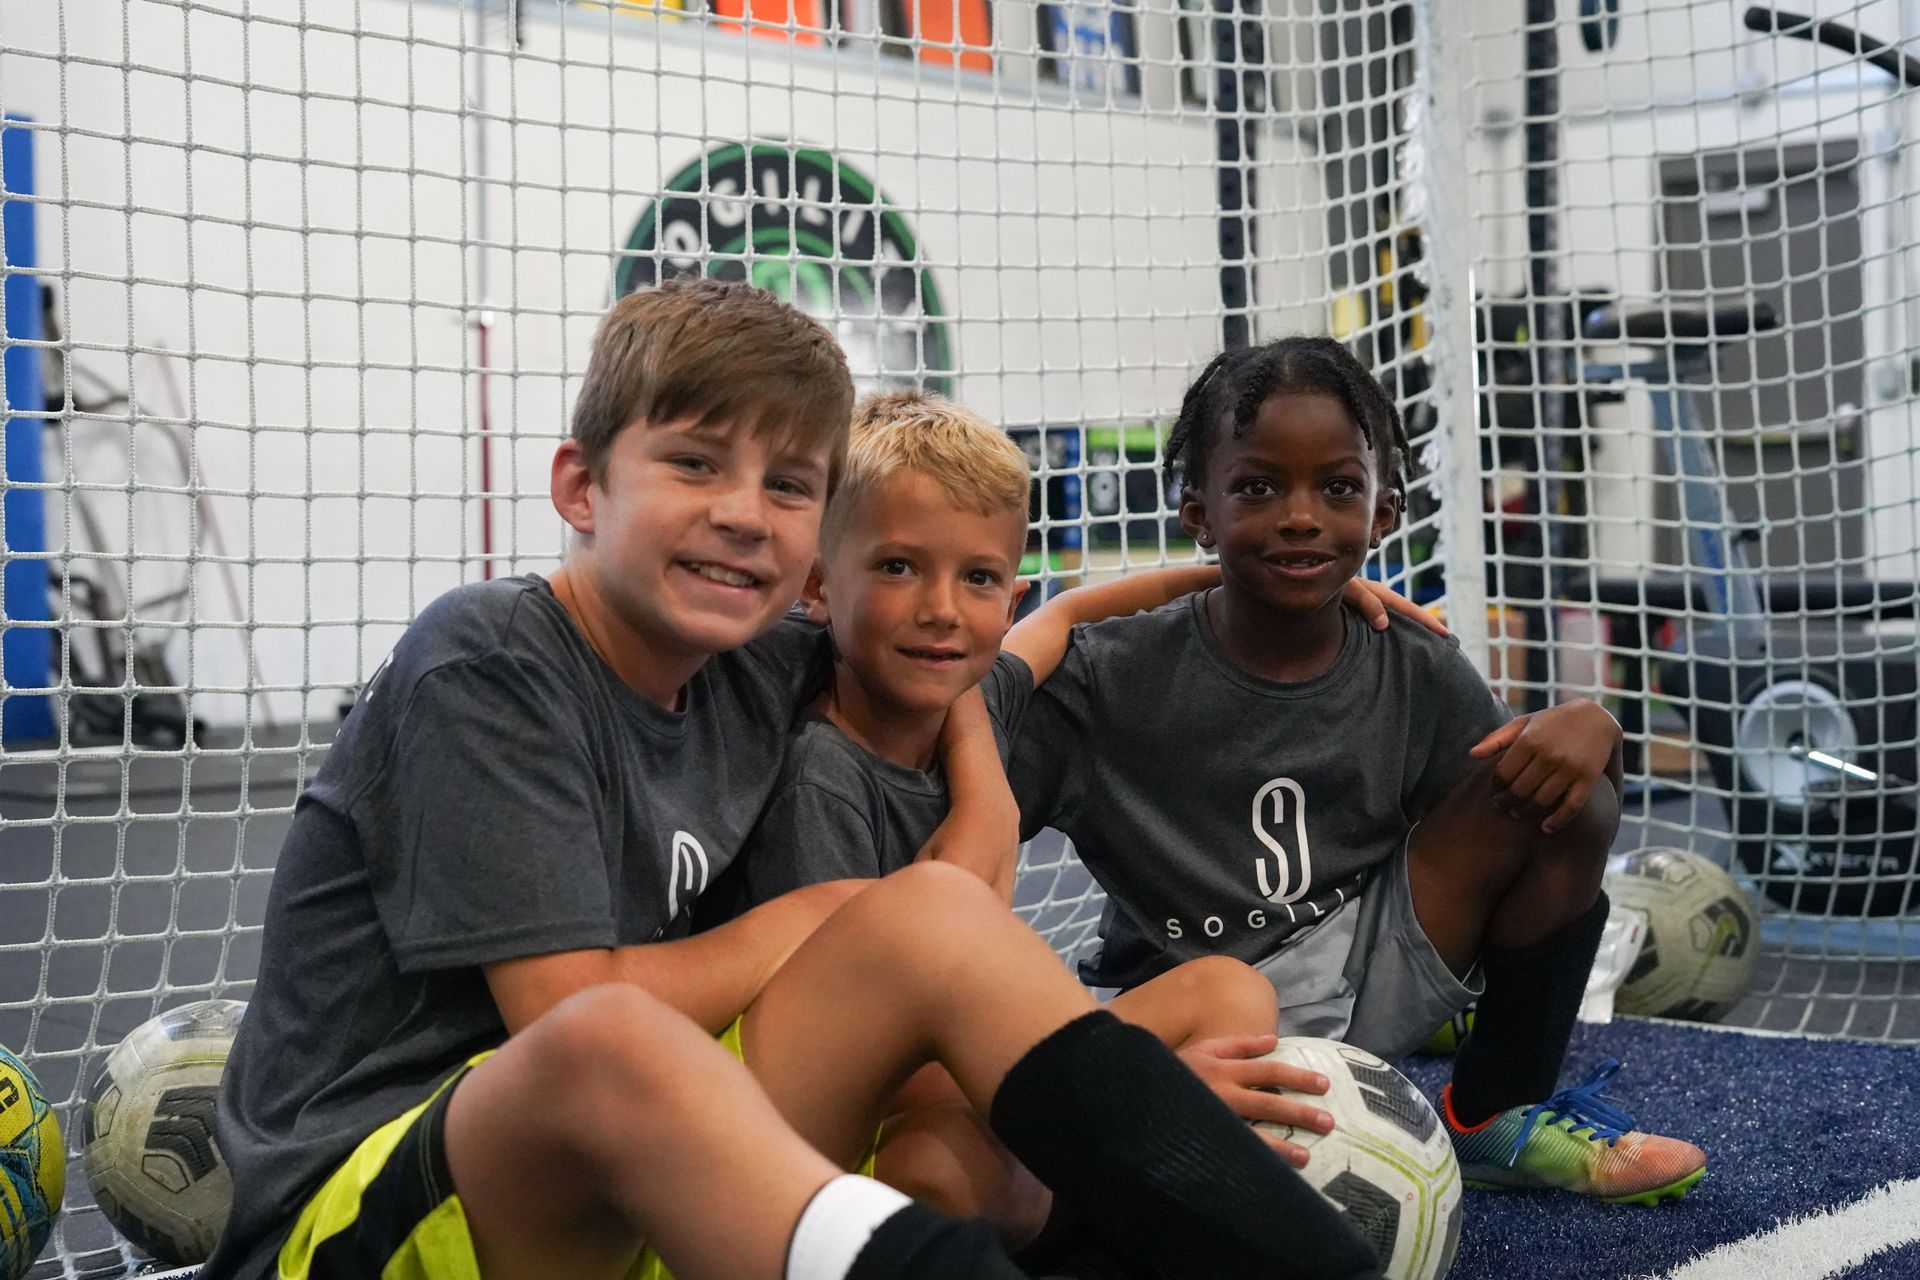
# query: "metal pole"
482,316
26,652
1549,320
1440,143
1239,96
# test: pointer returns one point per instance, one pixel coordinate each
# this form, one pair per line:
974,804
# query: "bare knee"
1475,842
620,1061
919,904
1590,833
1229,997
616,1054
941,884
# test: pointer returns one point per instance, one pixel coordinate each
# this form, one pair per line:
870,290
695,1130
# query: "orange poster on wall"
948,29
808,18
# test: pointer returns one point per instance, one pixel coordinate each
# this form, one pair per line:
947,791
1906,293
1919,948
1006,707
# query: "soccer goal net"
297,297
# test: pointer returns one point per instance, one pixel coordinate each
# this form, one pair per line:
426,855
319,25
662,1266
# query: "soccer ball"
150,1152
1701,939
1449,1035
1388,1164
34,1159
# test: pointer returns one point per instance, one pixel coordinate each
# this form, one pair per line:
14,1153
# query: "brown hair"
980,469
715,352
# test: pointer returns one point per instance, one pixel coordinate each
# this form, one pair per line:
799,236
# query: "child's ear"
813,596
1020,586
571,486
1193,516
1386,513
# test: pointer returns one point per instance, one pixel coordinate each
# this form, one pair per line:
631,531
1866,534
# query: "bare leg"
888,984
944,1154
1202,999
1483,879
1491,888
941,1150
925,965
635,1126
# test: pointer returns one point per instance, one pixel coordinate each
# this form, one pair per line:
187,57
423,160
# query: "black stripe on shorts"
412,1184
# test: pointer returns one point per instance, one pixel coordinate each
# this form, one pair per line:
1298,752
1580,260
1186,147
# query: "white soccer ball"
150,1152
1388,1164
1702,938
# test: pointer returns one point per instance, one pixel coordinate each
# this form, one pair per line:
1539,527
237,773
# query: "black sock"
1109,1118
1066,1247
919,1243
1062,1232
1513,1055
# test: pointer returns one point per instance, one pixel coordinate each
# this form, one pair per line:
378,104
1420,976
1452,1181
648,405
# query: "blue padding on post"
25,652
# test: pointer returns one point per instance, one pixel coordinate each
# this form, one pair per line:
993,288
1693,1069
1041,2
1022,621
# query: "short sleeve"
1460,711
808,834
787,664
1008,690
1047,763
484,834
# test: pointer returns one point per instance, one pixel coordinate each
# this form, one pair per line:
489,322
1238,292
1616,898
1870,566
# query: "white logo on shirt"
373,681
688,873
1284,834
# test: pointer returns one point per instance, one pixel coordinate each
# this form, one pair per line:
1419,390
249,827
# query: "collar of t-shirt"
1353,640
900,777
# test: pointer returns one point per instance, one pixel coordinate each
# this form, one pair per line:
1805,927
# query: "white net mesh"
1695,315
307,289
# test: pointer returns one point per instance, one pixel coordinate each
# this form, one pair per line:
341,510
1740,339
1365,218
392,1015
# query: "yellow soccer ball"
34,1156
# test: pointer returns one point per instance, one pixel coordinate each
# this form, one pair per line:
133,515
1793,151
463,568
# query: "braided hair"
1230,390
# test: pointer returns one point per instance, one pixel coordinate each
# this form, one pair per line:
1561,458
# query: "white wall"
295,204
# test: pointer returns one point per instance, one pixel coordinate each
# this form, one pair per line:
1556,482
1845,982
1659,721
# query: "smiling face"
1293,504
919,592
696,539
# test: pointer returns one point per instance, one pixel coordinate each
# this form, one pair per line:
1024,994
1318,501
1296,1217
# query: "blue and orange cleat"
1574,1141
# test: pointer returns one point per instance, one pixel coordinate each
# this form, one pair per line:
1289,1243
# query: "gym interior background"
297,296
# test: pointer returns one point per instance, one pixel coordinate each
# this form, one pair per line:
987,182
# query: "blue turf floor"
1790,1127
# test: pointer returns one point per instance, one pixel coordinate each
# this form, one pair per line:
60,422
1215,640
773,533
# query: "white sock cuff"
836,1225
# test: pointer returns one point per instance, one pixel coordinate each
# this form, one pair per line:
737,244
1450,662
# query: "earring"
1204,539
1375,544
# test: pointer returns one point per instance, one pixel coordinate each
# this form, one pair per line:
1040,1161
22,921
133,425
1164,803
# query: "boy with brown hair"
471,1049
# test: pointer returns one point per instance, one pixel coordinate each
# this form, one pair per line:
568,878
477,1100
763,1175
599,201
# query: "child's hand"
1549,760
1234,1068
1373,600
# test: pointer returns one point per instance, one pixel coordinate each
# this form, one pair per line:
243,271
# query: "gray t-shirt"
840,812
498,792
1222,812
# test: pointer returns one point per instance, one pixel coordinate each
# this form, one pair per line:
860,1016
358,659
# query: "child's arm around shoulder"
1041,638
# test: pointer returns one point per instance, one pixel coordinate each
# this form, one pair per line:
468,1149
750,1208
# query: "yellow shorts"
390,1211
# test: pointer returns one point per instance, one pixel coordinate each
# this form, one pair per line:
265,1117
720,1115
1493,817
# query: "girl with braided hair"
1248,771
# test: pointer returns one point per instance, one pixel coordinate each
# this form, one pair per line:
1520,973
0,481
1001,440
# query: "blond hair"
980,469
714,352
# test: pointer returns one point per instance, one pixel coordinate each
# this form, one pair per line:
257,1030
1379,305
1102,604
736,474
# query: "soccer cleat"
1575,1141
